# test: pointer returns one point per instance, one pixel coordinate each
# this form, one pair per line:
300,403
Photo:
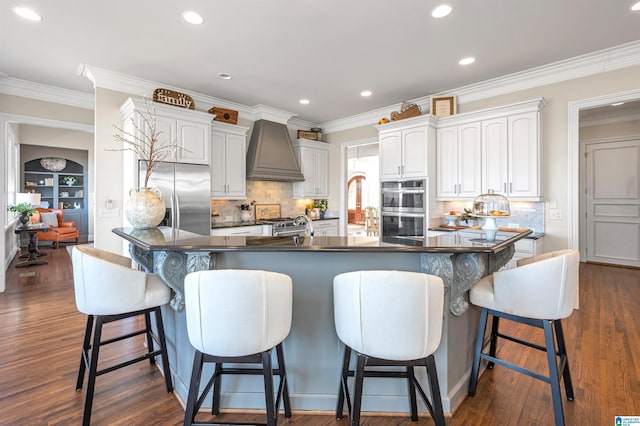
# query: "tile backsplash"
262,192
524,214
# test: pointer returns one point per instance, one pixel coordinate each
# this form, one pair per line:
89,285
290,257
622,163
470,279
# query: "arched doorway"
354,189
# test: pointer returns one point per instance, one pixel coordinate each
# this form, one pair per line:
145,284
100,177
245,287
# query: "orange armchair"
60,231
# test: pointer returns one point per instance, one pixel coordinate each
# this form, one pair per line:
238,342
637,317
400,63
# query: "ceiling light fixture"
192,17
55,164
467,61
304,101
617,103
26,13
636,7
441,11
365,93
224,76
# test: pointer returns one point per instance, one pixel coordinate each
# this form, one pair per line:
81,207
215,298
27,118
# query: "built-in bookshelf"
65,189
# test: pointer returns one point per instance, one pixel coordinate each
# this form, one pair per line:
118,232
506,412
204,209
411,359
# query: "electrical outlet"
555,214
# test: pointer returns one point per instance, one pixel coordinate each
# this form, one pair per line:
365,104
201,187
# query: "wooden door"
613,202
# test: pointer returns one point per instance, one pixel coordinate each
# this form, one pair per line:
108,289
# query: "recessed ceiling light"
636,7
224,76
304,101
192,17
27,13
365,93
467,61
617,103
441,11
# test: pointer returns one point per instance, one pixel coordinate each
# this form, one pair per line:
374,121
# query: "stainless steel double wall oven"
404,208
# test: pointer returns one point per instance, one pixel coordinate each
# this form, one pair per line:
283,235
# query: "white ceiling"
280,51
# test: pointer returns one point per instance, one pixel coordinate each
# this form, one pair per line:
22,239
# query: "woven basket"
407,111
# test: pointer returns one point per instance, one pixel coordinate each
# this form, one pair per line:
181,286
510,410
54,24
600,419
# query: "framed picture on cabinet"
443,106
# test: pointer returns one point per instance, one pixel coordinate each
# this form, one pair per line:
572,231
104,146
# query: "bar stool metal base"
434,406
556,358
91,350
194,401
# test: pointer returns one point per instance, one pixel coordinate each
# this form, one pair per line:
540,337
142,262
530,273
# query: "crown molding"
300,124
618,57
625,55
43,92
113,80
370,118
264,112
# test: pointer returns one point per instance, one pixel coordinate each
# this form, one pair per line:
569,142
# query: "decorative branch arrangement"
144,142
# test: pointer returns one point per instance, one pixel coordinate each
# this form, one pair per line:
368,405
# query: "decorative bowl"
452,219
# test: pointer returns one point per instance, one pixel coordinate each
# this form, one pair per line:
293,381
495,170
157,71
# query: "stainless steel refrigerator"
185,189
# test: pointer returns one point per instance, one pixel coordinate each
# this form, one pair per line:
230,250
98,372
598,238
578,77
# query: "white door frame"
573,156
5,119
344,148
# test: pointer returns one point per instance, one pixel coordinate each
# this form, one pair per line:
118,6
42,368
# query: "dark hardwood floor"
41,333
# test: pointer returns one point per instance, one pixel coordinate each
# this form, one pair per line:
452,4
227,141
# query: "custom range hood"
270,155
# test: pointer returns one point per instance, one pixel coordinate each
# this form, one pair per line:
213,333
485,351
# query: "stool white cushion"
392,315
105,284
541,287
237,312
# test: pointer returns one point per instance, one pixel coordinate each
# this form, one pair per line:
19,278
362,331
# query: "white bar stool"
540,292
237,316
107,289
389,318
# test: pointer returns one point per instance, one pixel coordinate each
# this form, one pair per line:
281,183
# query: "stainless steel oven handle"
404,214
286,233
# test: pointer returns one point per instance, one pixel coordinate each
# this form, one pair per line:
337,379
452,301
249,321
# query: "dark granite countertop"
502,232
164,238
252,222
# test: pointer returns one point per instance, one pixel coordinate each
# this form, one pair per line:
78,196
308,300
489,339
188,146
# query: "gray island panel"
313,351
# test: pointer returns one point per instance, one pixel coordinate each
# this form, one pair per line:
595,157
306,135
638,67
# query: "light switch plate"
109,212
555,214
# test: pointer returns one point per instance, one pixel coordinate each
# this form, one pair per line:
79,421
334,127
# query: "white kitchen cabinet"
525,247
242,231
511,155
325,228
458,162
313,158
404,148
193,139
228,161
188,129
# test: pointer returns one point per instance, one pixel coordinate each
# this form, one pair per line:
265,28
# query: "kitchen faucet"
308,222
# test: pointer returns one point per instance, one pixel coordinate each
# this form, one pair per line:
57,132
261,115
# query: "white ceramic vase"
145,208
245,215
490,229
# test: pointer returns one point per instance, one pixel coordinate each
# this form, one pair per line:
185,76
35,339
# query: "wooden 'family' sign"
170,97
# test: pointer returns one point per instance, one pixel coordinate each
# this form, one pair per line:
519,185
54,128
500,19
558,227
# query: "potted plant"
468,217
321,205
245,210
69,180
25,209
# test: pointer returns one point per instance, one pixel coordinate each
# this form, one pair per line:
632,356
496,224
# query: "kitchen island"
313,351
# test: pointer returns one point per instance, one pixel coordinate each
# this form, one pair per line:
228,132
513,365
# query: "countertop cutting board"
268,211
